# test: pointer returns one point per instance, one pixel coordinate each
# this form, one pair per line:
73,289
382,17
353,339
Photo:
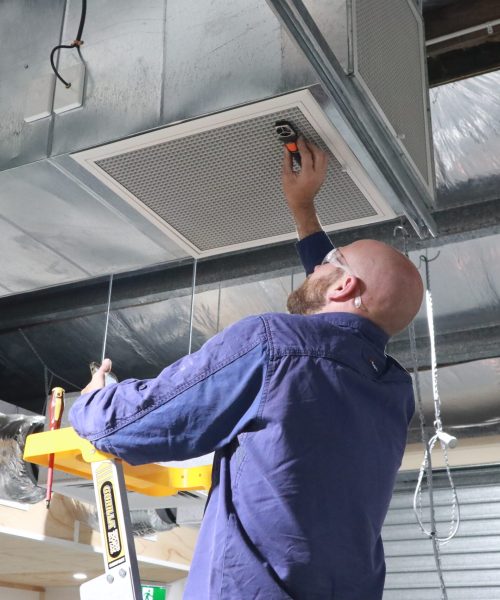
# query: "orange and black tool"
55,416
288,135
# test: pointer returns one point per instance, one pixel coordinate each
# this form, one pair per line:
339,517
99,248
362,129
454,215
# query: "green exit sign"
153,592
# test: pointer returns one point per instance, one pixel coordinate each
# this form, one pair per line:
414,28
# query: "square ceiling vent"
213,184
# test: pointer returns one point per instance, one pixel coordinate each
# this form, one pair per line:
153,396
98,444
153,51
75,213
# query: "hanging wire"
413,347
75,44
219,299
191,315
445,439
110,289
426,467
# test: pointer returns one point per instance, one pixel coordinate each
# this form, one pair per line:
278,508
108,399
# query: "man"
306,413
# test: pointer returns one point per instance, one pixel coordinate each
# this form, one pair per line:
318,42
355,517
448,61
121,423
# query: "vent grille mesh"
222,187
389,55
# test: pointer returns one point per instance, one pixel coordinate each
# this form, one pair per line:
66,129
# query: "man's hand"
301,187
97,381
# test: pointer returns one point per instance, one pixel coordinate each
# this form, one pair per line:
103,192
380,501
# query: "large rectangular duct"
213,184
371,62
389,63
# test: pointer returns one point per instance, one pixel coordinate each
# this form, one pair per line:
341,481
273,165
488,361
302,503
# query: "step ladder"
112,478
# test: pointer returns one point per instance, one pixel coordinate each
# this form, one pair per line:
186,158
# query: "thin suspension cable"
416,380
430,323
219,298
455,507
110,289
191,316
427,464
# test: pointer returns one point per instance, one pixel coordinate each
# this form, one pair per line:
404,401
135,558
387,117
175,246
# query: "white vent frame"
429,185
304,101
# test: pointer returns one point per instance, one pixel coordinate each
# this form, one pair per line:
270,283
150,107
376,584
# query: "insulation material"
143,522
466,126
17,478
470,396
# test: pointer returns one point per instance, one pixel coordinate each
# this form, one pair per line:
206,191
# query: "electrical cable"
426,467
75,44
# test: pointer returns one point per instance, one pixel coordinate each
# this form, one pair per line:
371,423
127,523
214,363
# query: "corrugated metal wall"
471,561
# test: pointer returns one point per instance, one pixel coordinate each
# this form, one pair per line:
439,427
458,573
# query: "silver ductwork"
211,184
237,54
18,479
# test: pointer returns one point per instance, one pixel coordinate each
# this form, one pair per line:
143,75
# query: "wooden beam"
459,15
469,452
20,586
462,63
471,44
480,37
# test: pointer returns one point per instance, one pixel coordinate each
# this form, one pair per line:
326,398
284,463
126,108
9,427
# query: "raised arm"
193,407
300,189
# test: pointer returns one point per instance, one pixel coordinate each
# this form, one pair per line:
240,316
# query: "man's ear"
343,289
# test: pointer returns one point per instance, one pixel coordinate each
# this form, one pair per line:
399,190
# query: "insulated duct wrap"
469,393
466,126
143,522
17,478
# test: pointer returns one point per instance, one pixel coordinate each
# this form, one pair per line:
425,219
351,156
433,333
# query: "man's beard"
310,297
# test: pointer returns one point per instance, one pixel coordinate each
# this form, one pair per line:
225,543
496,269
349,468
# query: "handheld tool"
288,135
55,416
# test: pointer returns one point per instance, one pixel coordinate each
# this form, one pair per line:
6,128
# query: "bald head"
388,283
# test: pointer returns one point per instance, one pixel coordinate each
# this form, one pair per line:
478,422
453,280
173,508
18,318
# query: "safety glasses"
336,258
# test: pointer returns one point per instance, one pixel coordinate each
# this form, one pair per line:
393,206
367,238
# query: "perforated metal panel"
219,188
389,58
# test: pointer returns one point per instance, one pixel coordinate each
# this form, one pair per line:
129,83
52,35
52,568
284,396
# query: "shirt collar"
371,331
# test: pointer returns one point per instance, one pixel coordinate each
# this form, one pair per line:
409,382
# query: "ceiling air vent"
213,183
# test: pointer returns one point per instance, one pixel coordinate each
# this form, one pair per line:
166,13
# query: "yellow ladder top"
73,454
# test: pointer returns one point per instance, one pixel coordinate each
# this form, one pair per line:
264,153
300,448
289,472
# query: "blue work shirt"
308,418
